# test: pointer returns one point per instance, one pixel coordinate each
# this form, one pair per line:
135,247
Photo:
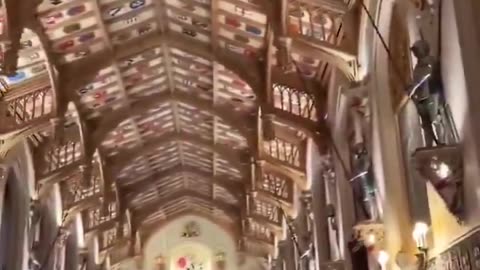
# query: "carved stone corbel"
443,167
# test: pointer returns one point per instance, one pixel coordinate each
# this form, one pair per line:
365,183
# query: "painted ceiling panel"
202,116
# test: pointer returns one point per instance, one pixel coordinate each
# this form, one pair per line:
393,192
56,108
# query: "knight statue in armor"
364,184
426,92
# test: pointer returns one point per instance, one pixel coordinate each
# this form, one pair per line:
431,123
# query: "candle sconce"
419,234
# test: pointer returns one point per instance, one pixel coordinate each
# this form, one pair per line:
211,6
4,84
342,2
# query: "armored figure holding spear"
426,91
363,183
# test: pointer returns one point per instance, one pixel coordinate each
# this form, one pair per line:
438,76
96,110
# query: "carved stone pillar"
319,204
386,153
60,244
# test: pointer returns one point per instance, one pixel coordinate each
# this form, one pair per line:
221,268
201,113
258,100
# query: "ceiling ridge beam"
119,161
139,106
157,205
233,187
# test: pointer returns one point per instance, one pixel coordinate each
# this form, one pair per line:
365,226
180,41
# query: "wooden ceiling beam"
19,15
155,206
235,157
235,188
112,119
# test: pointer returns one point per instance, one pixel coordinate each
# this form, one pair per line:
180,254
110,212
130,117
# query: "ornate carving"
191,229
464,255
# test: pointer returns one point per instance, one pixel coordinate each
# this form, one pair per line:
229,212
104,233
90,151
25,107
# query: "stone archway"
211,236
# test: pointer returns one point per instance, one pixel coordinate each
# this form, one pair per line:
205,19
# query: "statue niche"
426,92
440,161
362,178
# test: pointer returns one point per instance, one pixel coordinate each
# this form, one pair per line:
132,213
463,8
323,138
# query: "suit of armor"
363,183
426,90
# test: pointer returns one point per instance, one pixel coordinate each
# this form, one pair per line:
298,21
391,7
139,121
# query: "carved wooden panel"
258,231
241,27
277,186
95,216
463,255
283,150
265,211
107,238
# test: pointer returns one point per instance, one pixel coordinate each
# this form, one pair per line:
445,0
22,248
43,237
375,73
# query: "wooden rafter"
165,93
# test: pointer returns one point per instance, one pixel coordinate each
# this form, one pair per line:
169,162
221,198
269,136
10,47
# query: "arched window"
191,256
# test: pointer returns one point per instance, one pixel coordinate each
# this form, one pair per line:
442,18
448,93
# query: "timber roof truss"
144,110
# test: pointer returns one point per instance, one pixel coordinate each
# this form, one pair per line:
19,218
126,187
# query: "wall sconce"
419,234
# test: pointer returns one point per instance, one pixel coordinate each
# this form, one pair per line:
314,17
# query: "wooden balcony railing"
20,110
74,192
286,152
294,101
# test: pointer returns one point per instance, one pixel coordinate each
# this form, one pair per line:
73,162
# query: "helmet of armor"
420,49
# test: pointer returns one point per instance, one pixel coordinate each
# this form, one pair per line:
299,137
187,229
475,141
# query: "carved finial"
57,126
86,170
284,54
268,127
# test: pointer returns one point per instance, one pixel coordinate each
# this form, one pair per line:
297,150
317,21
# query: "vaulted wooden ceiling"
144,110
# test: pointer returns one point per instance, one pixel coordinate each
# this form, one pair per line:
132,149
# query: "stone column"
287,253
319,204
387,157
60,248
465,15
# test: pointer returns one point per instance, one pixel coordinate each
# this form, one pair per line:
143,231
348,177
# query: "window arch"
190,256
